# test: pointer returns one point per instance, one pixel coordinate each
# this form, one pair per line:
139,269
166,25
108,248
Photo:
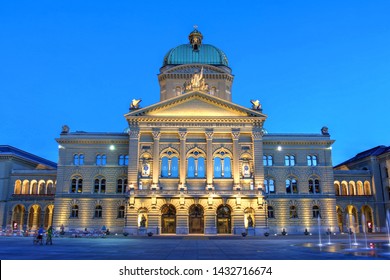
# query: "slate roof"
6,150
376,151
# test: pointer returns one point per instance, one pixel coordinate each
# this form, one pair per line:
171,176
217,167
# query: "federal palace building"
194,163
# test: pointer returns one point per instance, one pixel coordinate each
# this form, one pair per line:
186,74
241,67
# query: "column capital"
209,134
156,134
236,134
257,135
182,134
134,133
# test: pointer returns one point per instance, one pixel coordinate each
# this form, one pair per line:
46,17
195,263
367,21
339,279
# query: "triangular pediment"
195,104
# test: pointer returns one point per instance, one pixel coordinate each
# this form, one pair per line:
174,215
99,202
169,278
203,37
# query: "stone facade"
195,163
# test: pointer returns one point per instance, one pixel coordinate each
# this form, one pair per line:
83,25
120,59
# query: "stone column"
156,158
133,169
50,218
209,159
257,138
236,159
183,161
35,217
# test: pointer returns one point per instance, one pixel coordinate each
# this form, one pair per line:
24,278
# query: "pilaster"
209,159
236,159
156,158
132,172
182,174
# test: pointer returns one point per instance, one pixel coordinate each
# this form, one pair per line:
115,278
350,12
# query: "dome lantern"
195,38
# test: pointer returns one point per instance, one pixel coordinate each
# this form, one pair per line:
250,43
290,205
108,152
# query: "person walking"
49,236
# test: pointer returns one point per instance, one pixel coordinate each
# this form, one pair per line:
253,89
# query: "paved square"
191,247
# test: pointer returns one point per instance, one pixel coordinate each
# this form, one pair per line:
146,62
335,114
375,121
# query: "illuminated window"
269,185
314,186
195,164
268,160
289,160
76,185
123,160
293,212
170,164
291,186
312,160
222,164
101,159
78,159
99,185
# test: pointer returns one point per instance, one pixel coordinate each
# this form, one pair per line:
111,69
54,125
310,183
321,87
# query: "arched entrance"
340,218
224,219
196,219
168,219
18,217
34,217
367,219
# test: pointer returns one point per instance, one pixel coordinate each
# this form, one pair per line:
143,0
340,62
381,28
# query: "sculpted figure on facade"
197,82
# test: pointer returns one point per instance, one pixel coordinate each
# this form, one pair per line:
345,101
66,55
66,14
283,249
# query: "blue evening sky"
310,63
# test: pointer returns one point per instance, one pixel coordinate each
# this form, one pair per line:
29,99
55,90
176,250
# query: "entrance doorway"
168,219
224,220
196,219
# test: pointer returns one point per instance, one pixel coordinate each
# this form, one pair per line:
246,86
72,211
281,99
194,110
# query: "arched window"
222,164
269,185
101,159
268,160
360,190
74,211
99,185
78,159
195,164
121,185
316,211
314,185
337,188
76,185
289,160
121,212
271,212
26,187
34,187
312,160
41,188
98,211
367,188
344,188
291,186
50,188
352,188
293,212
18,187
170,163
123,160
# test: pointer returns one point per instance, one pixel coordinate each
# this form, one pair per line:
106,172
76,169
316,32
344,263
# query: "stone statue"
324,130
135,104
256,105
65,129
250,221
143,221
197,82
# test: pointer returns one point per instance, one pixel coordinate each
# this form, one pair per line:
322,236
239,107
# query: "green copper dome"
195,53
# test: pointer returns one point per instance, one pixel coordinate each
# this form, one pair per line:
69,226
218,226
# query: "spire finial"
195,26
